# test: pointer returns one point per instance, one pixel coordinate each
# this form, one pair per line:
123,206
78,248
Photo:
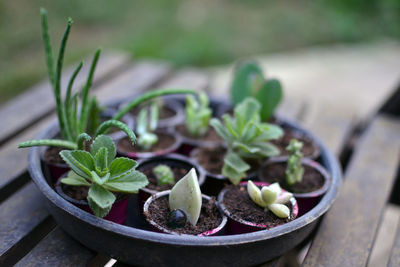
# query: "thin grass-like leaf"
68,104
105,126
82,138
48,142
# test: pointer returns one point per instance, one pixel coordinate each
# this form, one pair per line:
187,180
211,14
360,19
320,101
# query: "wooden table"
368,147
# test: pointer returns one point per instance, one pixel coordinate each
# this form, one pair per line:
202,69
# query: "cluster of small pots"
183,153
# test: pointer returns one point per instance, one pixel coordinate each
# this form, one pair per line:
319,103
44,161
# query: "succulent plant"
198,114
147,121
294,171
164,174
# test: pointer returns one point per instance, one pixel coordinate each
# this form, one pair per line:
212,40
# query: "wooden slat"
395,253
346,234
22,223
188,78
38,101
57,249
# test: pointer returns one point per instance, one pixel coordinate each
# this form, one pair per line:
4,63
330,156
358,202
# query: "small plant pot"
180,165
157,227
237,225
53,166
310,148
211,160
171,112
315,177
117,214
210,139
167,143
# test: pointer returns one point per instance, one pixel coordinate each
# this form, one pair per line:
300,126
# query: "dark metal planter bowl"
142,247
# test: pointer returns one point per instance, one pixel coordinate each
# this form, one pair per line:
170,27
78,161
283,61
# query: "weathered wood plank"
395,253
38,101
57,249
193,79
349,228
22,223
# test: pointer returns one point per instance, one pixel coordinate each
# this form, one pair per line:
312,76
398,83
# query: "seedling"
186,196
270,198
198,115
246,137
102,173
294,171
73,122
147,121
164,174
250,81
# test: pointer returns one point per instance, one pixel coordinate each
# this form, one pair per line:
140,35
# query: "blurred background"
192,32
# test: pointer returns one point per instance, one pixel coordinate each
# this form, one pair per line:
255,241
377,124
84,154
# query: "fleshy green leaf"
279,210
186,196
74,179
269,95
97,210
245,148
235,162
164,174
268,132
233,175
220,129
79,161
255,194
101,196
130,182
121,165
101,161
106,142
268,150
247,78
246,111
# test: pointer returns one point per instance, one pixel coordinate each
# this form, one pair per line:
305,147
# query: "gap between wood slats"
38,102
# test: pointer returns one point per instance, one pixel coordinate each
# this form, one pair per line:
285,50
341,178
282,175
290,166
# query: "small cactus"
294,171
164,175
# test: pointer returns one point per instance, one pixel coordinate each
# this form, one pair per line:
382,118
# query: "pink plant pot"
52,171
117,214
220,230
239,226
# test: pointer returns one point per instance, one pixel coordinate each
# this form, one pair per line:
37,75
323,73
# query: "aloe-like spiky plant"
248,81
198,114
102,173
72,122
246,137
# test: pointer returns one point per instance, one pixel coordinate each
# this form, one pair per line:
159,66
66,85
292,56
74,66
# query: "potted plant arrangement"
247,143
248,81
151,141
250,208
307,179
98,182
184,210
197,132
164,171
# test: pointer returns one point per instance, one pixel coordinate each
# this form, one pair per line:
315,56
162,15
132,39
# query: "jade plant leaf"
186,196
80,162
74,180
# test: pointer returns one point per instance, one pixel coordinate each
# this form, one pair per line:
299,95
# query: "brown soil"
165,112
312,179
210,136
164,141
51,155
308,146
209,219
212,159
179,172
239,204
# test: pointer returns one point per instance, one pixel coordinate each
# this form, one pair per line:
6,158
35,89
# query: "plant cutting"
196,132
247,139
151,142
249,81
307,179
97,179
253,206
164,171
184,210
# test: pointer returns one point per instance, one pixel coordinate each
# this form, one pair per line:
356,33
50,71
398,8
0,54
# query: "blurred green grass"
190,32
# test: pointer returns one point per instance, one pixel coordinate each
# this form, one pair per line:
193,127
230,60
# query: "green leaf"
246,148
101,196
234,176
220,129
230,125
48,142
268,132
270,95
105,126
74,179
248,77
236,163
130,182
101,161
121,165
106,142
141,122
268,150
248,110
79,161
97,210
82,139
154,112
164,174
